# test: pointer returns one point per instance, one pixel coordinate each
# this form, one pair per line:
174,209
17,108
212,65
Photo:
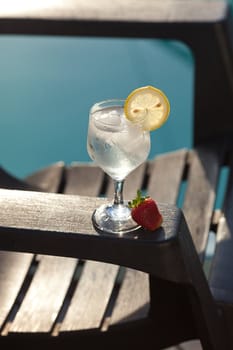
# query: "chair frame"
60,224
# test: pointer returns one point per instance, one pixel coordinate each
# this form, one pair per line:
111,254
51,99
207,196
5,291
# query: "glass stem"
118,192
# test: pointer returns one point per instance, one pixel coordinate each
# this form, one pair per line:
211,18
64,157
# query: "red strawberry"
145,212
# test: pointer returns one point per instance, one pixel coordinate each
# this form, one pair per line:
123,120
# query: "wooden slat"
48,179
46,286
91,297
94,288
33,317
13,269
84,179
134,290
134,298
166,172
200,195
14,266
45,296
91,182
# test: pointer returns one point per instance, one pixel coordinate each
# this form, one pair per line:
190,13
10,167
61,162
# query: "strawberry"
145,212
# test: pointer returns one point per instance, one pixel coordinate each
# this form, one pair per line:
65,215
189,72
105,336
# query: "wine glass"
117,146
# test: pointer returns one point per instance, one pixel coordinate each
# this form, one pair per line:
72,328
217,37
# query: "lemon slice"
148,107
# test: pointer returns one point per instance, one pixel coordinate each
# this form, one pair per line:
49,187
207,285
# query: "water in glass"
118,146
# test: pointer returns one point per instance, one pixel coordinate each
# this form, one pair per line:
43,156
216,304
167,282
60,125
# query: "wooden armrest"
57,224
131,10
125,18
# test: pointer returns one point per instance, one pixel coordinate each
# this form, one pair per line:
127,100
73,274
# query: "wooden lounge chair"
62,284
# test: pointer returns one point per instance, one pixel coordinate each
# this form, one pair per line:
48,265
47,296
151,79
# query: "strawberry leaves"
138,200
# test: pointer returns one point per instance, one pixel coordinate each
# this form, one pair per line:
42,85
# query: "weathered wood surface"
91,298
80,179
166,173
15,268
74,320
59,213
87,290
38,314
162,177
200,196
84,179
133,300
49,179
131,10
67,216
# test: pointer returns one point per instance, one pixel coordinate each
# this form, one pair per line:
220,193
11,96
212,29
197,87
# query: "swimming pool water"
48,84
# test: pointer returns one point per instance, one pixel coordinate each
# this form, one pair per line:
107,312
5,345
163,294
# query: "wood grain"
84,180
13,270
14,267
133,300
47,179
55,224
58,224
45,296
200,195
166,174
91,297
120,9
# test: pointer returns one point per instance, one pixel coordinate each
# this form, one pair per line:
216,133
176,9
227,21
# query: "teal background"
48,84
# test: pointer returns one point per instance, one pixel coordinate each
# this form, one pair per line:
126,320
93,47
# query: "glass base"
114,219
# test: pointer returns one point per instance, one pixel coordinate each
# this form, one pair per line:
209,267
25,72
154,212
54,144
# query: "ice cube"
113,118
109,120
